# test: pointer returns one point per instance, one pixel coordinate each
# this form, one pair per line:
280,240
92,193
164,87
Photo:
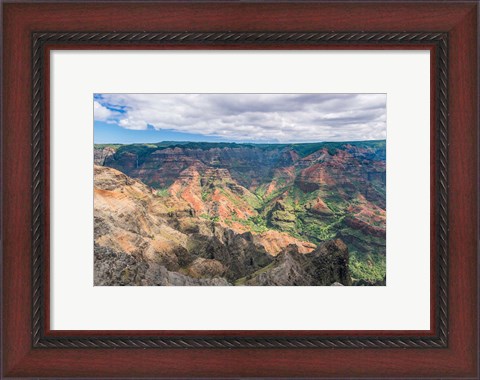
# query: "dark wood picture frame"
31,30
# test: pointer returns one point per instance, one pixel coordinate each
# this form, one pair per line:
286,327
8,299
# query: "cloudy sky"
128,118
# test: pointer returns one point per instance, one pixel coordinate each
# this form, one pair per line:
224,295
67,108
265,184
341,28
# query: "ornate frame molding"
40,39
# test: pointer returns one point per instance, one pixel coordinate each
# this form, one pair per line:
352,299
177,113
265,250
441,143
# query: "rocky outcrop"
287,270
129,218
208,268
319,207
329,263
365,227
101,154
113,268
237,252
326,265
213,193
274,242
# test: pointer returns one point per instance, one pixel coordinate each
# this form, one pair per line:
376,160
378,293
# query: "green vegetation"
163,193
302,149
205,194
141,151
103,146
292,213
316,230
255,224
367,260
211,218
369,267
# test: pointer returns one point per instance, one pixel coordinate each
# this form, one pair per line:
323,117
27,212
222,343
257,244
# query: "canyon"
186,213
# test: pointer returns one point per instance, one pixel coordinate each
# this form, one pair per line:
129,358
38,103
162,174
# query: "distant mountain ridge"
303,195
136,158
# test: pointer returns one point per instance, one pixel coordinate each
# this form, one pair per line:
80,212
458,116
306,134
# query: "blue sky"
263,118
105,133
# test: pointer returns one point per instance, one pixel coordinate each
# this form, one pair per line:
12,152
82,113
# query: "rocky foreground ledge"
326,265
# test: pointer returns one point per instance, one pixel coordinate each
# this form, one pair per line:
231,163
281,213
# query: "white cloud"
101,113
251,117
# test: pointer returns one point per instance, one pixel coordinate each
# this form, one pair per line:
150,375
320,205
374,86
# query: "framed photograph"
240,190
